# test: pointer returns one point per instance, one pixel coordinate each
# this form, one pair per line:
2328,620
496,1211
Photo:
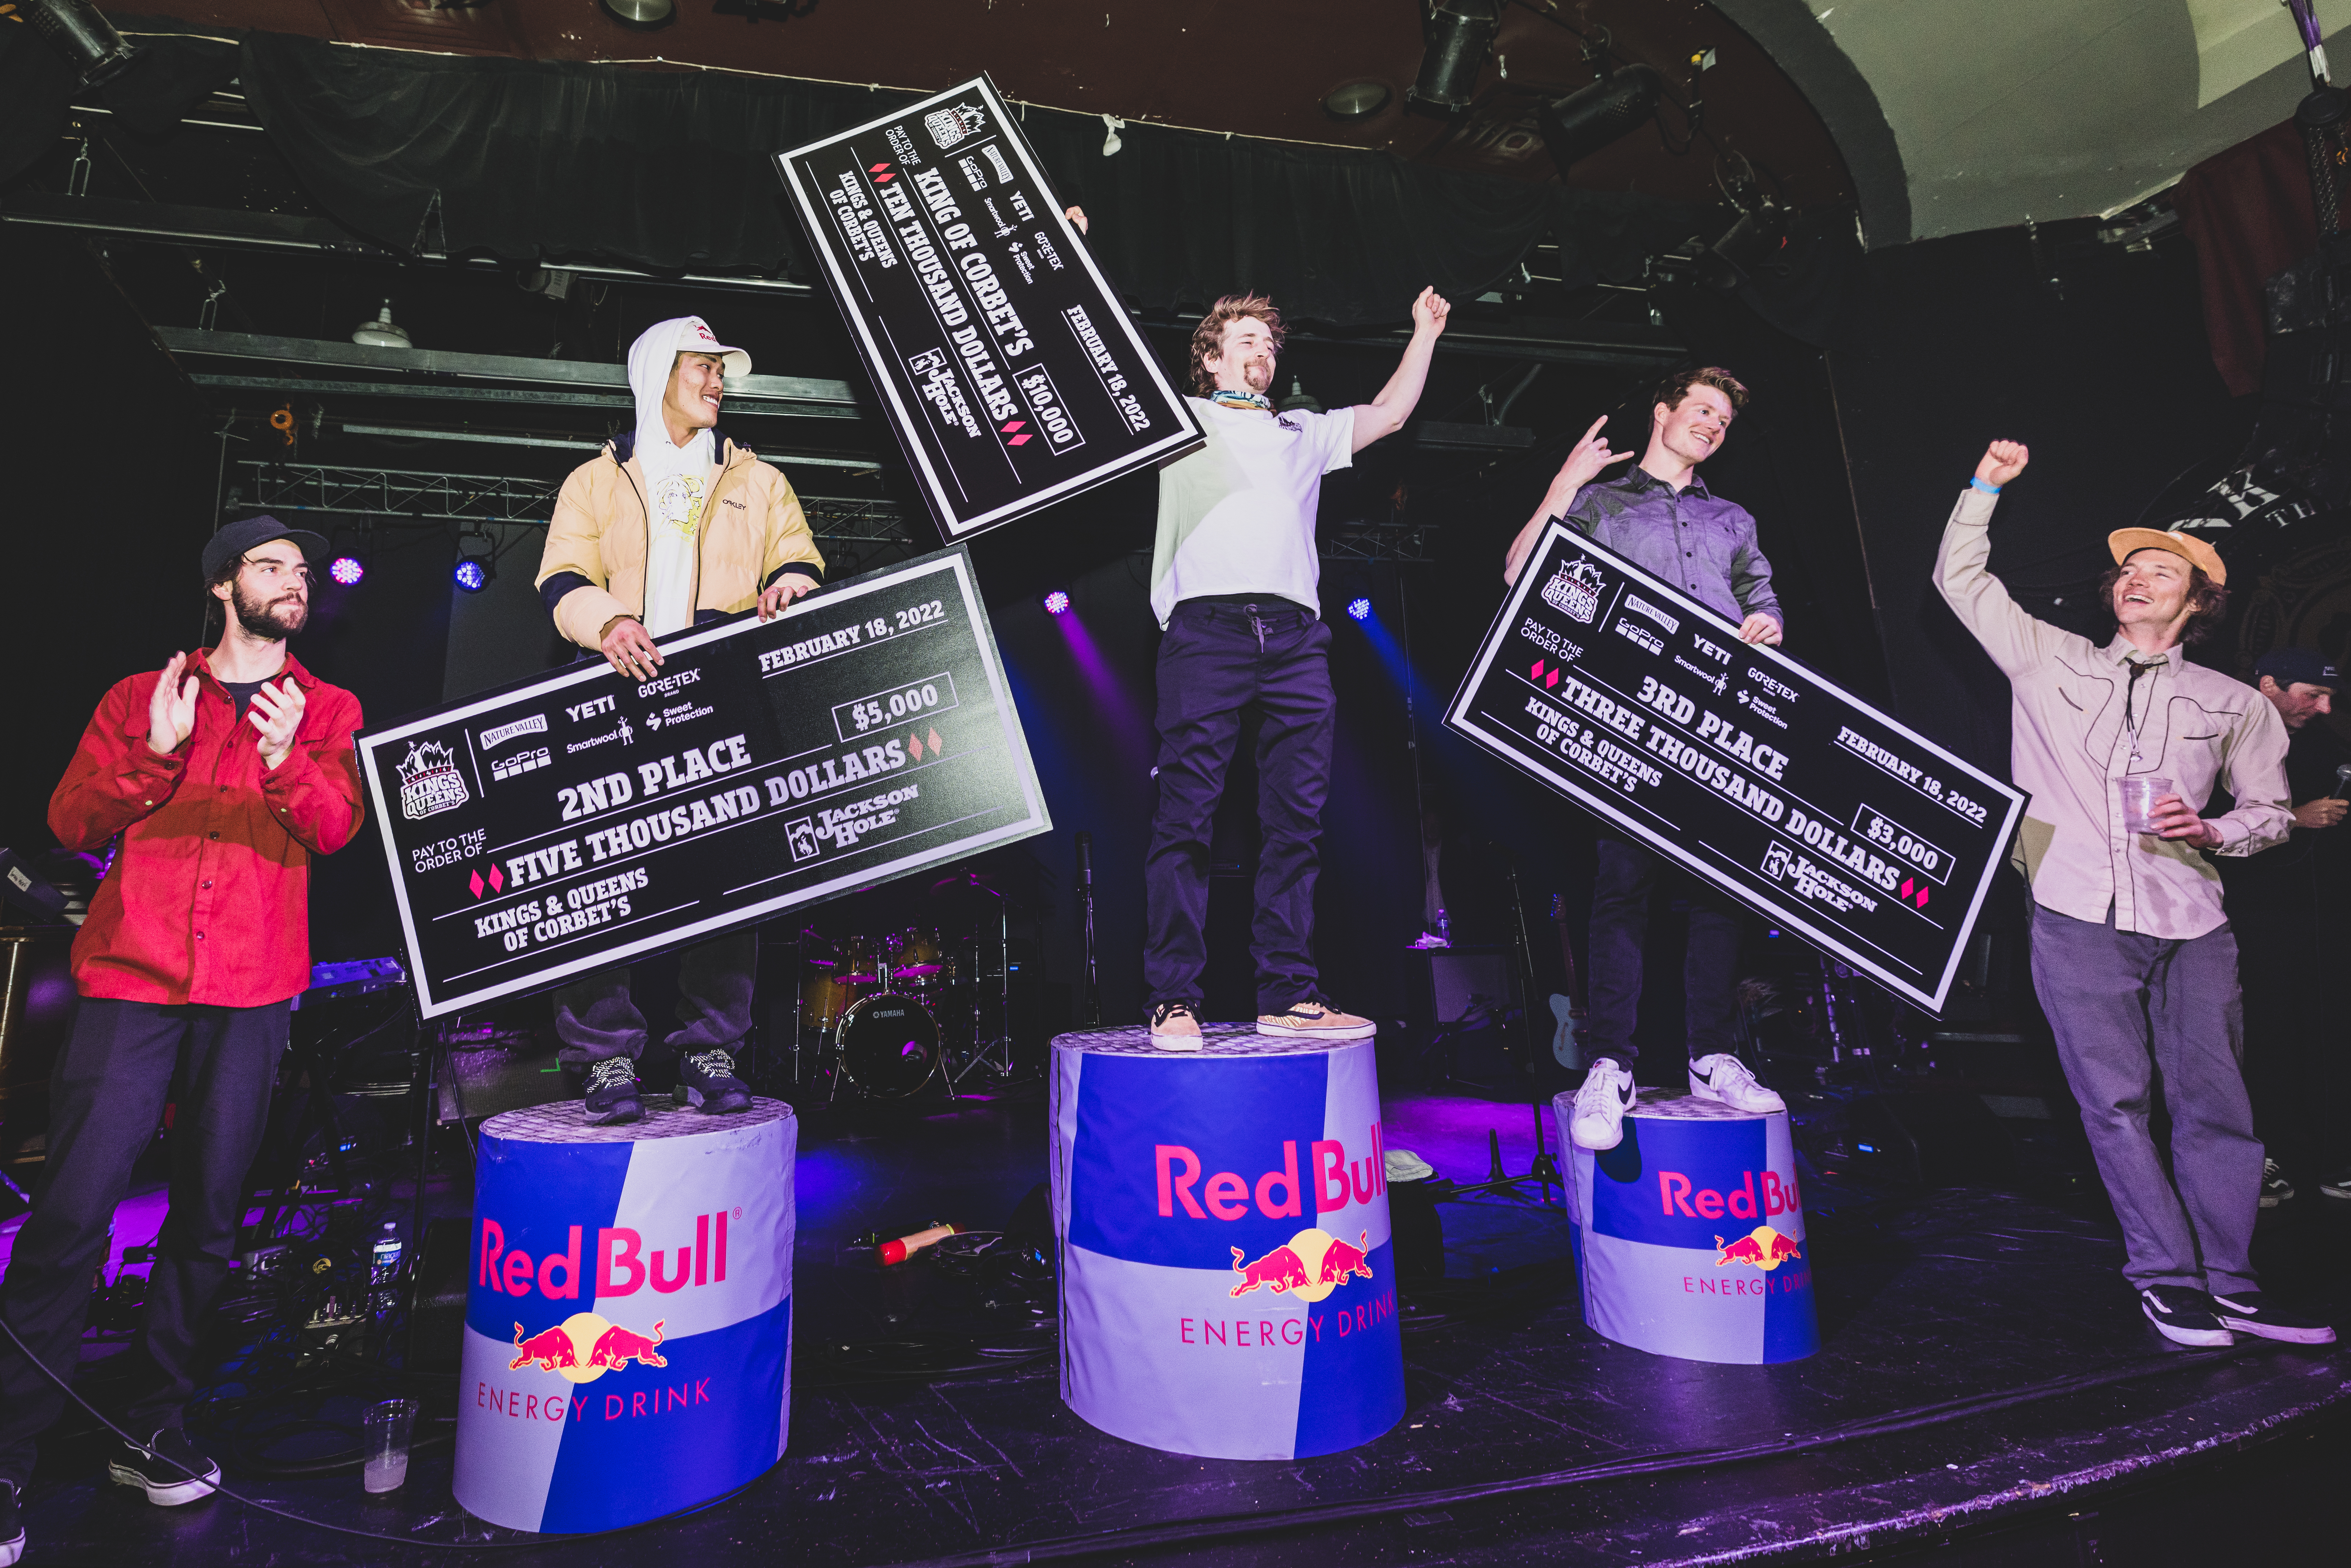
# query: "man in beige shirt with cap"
2132,954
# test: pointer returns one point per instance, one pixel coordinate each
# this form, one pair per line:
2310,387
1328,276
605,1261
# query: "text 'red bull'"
1675,1196
1337,1181
620,1270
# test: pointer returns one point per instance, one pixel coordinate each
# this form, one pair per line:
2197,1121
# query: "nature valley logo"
1574,591
430,781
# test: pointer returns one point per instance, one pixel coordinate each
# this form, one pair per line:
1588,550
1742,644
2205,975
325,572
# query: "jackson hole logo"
1574,591
949,126
429,780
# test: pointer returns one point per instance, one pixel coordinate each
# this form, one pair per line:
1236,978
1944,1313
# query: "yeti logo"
1574,591
949,126
429,781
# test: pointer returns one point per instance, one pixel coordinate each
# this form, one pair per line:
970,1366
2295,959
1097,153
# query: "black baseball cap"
232,542
2292,666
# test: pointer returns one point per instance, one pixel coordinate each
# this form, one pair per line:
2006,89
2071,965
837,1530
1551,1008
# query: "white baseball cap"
695,337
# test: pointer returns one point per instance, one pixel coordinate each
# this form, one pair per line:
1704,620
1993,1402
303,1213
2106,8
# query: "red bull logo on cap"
1310,1267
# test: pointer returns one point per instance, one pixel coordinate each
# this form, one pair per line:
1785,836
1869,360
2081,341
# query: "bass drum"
888,1045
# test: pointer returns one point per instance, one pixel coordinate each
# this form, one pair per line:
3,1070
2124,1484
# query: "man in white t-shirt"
1233,583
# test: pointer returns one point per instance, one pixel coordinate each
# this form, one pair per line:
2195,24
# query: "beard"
1258,374
274,621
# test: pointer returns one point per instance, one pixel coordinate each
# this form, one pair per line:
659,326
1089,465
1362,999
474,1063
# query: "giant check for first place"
577,821
1791,794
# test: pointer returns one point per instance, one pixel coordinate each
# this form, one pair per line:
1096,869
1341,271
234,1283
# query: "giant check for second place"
1784,790
580,819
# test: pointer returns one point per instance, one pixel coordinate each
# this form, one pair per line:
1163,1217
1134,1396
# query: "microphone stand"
1090,1001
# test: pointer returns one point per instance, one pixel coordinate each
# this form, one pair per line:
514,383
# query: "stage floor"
1982,1366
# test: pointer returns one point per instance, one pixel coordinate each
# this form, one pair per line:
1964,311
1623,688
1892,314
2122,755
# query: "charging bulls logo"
1311,1267
1763,1247
584,1346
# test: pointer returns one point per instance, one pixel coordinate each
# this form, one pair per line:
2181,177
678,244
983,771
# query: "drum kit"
883,1016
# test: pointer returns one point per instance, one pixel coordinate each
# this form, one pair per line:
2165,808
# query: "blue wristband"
1976,480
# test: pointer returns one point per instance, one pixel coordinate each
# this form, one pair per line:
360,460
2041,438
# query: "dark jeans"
2136,1016
1620,925
595,1017
1215,661
105,1097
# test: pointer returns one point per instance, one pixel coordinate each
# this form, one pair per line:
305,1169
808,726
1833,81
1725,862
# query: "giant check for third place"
577,821
1791,794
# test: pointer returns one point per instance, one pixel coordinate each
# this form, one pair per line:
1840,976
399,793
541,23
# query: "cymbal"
971,881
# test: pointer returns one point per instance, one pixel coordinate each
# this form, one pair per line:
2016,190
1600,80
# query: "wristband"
1975,481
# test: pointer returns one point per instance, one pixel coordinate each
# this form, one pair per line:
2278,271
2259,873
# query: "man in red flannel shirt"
220,777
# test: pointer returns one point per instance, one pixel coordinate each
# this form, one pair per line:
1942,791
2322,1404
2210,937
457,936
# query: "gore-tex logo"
882,173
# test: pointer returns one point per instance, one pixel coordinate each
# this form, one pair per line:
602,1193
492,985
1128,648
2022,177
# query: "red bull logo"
584,1346
619,1265
1763,1248
1335,1179
1313,1264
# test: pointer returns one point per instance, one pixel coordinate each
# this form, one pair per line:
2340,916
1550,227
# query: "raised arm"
2016,642
1385,414
1584,461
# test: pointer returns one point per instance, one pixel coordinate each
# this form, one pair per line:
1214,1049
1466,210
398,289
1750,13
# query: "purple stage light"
347,570
471,577
1056,603
1361,609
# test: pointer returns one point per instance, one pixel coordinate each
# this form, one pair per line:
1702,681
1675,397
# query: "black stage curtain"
673,172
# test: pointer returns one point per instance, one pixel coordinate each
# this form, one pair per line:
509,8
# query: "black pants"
1215,661
1620,925
595,1016
105,1097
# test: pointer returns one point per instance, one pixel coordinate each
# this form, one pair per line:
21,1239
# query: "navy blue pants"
1215,661
106,1096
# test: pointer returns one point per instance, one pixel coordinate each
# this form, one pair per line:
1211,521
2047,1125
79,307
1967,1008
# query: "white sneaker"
1597,1122
1727,1079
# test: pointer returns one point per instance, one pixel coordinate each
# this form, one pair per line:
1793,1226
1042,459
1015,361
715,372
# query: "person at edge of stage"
2276,901
1660,515
2132,954
219,776
671,525
1234,576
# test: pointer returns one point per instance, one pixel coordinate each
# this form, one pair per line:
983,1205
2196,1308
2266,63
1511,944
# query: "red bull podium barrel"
628,1319
1227,1282
1690,1233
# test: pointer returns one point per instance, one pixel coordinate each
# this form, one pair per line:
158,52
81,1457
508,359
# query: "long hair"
2207,601
1208,337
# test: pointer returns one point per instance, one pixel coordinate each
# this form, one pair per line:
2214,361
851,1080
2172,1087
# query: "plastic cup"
2138,798
386,1429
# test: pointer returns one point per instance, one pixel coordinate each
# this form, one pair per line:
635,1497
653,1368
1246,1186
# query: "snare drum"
888,1045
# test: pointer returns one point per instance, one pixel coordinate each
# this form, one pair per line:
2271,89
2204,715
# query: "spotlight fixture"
476,563
1748,247
76,30
1360,609
1575,127
382,333
640,15
1353,102
1459,33
347,570
1056,603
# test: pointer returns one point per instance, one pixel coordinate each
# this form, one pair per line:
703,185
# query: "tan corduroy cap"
2189,548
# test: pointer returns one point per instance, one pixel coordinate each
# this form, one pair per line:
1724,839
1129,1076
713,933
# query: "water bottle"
383,1271
1444,928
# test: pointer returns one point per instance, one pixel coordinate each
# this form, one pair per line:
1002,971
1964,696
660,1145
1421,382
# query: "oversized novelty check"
580,819
1010,371
1776,786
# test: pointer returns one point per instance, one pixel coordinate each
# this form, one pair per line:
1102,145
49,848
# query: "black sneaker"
2336,1187
707,1080
2250,1311
2184,1316
613,1096
2275,1188
168,1466
11,1526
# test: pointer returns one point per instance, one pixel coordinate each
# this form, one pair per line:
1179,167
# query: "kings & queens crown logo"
949,126
1574,591
429,780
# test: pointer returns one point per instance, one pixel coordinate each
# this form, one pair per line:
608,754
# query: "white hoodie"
678,478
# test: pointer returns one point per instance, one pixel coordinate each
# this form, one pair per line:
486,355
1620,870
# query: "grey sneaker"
613,1094
707,1080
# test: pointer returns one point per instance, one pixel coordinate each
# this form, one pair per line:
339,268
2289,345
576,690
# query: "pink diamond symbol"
1537,671
1922,895
498,879
914,746
1551,679
475,882
934,743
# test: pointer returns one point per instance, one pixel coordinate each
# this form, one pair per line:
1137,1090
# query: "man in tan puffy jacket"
671,525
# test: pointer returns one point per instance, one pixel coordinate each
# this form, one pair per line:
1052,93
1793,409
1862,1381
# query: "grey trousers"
2137,1016
595,1017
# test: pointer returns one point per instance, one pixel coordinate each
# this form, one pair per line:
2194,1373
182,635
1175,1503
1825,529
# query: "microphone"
2342,781
1086,852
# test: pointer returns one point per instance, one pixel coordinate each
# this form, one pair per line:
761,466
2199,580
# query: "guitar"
1565,1010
